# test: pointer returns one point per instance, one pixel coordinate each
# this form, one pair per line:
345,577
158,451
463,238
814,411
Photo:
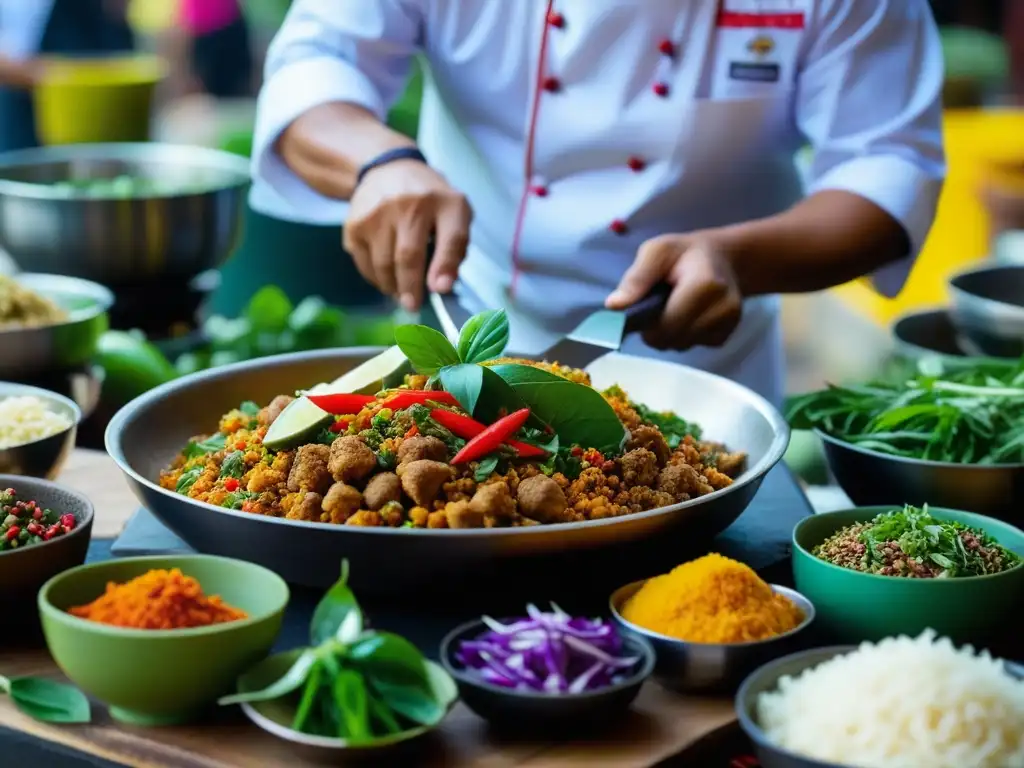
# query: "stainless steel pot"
988,308
147,433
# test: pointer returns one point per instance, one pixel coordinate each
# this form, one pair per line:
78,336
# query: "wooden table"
661,726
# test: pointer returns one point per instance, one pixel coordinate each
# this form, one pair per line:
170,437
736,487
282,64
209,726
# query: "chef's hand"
705,303
19,74
394,212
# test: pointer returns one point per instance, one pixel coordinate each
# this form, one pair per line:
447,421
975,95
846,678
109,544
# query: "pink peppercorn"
35,529
12,532
68,521
38,514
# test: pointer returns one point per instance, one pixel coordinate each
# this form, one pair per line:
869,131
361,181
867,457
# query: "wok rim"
130,411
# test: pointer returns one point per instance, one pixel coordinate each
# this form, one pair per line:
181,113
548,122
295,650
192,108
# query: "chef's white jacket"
22,26
580,128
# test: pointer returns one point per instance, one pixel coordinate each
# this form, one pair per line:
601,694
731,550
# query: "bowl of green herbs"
875,572
353,690
951,435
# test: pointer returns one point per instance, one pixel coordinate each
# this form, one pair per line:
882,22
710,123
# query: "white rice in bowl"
26,419
901,703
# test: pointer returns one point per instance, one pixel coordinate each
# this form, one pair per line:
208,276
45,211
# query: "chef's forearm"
328,145
825,240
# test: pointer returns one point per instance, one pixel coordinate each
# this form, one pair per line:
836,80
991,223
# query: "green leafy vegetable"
971,415
249,408
333,610
350,697
47,700
187,479
483,337
290,681
428,350
233,465
212,444
236,499
485,468
465,382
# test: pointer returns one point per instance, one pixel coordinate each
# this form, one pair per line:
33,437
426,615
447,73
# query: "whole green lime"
131,366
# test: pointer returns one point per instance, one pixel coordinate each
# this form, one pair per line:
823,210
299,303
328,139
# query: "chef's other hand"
19,74
394,212
705,303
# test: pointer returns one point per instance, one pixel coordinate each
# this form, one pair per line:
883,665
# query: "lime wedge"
298,423
368,378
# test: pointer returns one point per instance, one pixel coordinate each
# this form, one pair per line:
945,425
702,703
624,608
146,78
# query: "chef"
30,29
575,154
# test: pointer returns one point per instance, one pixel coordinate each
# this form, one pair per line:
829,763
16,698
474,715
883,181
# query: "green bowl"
161,677
854,606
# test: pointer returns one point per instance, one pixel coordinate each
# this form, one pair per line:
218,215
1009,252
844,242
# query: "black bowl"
524,711
24,570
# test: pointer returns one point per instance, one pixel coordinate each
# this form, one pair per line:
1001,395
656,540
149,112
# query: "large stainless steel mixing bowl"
121,240
26,353
988,308
146,434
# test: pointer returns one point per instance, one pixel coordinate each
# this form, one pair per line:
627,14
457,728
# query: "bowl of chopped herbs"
951,435
875,572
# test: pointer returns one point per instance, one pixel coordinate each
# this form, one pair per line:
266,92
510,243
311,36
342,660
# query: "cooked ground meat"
638,467
306,508
494,503
341,502
422,447
383,489
650,438
423,479
541,498
351,459
461,515
268,415
309,470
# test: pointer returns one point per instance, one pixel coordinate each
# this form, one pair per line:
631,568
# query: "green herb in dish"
912,543
966,416
24,523
47,700
354,683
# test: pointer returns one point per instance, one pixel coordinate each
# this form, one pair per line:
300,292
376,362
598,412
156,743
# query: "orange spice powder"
157,600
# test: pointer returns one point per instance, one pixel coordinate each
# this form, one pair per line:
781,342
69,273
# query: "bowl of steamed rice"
901,703
37,430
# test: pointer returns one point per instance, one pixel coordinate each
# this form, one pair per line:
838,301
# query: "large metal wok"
146,434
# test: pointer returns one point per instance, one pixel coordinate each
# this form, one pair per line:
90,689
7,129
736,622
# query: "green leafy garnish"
249,408
233,465
485,468
47,700
187,479
674,428
212,444
483,337
236,499
428,350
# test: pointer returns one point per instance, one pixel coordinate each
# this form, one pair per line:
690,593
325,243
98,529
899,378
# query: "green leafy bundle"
576,413
354,683
973,415
47,700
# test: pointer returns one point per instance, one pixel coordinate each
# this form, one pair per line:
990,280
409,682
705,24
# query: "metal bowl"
121,240
1009,247
988,308
145,435
712,667
45,457
871,479
38,351
767,678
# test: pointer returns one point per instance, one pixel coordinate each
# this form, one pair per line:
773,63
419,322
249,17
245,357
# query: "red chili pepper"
467,428
406,398
35,529
12,532
241,445
341,404
231,485
340,426
492,437
68,520
37,514
413,431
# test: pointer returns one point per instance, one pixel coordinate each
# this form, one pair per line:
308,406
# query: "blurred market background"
195,84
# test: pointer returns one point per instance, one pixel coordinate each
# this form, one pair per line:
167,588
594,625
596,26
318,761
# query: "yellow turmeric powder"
157,600
712,600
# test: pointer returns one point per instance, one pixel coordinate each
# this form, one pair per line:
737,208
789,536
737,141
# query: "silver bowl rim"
931,463
14,389
83,521
958,291
754,730
628,590
964,358
646,669
115,427
977,521
101,296
203,157
131,633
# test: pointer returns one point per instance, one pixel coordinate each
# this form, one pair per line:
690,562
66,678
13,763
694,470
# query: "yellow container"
96,100
976,141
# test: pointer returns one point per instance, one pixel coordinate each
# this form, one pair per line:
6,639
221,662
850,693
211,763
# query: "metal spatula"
598,335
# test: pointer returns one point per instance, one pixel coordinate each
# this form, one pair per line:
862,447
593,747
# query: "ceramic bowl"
276,717
46,456
766,679
854,606
24,570
688,667
529,712
155,677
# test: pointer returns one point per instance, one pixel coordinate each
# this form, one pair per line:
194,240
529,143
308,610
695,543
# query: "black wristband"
401,153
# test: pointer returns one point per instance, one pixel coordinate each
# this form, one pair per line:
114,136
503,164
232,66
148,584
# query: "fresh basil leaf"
380,712
485,468
236,499
187,479
484,336
416,703
289,682
578,413
48,700
212,444
269,309
392,659
233,465
464,382
428,350
350,698
333,608
350,629
249,408
310,690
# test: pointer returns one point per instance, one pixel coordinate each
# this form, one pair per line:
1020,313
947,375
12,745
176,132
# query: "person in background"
574,155
33,29
216,36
